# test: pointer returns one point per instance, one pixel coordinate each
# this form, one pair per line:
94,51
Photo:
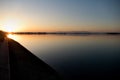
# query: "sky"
60,15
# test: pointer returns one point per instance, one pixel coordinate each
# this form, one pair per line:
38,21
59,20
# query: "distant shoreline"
67,33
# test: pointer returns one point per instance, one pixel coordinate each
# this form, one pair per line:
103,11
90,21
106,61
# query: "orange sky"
73,15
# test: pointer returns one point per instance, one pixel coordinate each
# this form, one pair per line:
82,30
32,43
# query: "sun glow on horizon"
12,36
11,25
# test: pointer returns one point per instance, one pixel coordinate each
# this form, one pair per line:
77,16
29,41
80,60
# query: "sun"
11,25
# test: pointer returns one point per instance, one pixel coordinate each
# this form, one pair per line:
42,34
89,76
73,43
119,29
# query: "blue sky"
99,15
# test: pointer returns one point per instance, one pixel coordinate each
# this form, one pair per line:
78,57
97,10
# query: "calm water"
75,56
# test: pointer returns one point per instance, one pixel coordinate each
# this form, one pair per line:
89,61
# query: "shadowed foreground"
25,66
17,63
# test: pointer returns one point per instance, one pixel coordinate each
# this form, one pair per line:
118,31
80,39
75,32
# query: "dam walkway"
18,63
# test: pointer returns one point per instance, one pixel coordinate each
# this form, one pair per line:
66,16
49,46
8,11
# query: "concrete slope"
4,61
25,66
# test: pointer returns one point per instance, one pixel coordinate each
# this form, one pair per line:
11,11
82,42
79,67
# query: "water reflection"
12,36
76,56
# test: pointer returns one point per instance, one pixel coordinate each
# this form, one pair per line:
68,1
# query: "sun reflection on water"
14,37
10,36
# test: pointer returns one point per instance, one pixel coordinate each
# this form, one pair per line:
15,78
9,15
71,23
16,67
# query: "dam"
18,63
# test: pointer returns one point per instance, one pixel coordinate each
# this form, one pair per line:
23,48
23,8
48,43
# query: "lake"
76,56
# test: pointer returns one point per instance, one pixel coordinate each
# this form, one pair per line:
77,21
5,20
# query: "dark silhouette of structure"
17,63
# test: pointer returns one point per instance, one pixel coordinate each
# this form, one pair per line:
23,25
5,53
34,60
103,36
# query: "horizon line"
67,33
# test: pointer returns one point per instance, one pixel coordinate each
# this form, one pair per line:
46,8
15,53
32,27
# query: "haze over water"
76,56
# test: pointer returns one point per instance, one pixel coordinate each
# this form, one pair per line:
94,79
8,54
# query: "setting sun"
11,25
